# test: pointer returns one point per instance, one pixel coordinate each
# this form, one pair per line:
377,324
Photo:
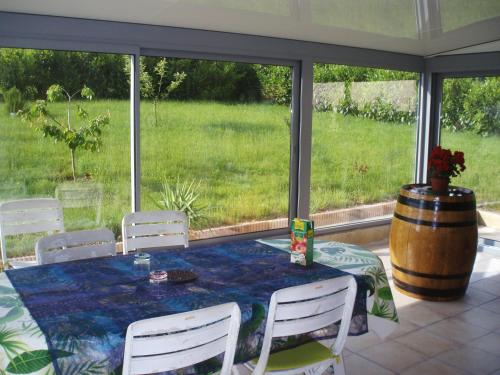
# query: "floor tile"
358,343
476,297
420,314
489,343
401,300
357,365
471,359
481,318
433,367
448,308
493,306
403,328
487,285
456,330
393,356
426,343
485,269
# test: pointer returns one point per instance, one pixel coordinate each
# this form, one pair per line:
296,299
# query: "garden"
215,137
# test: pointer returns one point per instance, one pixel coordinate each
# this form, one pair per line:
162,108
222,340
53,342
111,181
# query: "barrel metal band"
430,292
432,276
437,205
435,224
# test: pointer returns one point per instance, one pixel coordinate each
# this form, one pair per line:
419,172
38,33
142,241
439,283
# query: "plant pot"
439,185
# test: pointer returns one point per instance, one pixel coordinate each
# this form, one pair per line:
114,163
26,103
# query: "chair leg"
338,368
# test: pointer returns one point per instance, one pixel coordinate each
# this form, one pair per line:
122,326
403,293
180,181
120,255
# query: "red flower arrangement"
444,164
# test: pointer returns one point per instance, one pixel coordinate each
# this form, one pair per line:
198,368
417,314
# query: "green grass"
239,153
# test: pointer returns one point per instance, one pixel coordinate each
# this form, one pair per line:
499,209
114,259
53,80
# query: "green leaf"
9,302
385,293
6,290
13,314
35,360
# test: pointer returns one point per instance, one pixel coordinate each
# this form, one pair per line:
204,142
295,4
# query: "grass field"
239,153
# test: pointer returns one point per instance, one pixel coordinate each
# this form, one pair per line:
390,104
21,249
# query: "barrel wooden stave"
433,251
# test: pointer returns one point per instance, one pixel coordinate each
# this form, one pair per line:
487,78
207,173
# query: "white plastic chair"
83,244
176,341
147,229
302,309
28,216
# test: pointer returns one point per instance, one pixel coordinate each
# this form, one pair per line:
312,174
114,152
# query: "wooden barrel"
433,242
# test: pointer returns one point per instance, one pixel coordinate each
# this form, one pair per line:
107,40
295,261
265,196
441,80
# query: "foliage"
382,110
378,109
445,164
346,73
13,99
182,196
33,361
157,91
276,82
472,104
87,137
34,71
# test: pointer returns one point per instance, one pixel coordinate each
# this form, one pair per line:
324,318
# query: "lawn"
238,153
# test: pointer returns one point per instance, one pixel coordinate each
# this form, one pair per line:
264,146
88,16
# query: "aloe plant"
182,196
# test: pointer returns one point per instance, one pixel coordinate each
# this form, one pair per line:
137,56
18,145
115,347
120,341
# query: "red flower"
445,164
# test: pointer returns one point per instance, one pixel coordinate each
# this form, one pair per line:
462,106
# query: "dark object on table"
433,242
181,276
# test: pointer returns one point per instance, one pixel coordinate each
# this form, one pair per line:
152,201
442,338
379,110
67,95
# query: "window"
363,142
93,181
215,142
470,122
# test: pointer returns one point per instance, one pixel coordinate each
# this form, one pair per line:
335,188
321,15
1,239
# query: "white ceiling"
419,27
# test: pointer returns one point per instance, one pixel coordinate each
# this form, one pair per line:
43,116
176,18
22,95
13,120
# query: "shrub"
471,104
13,100
182,196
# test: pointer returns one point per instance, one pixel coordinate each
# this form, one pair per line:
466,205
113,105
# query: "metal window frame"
62,33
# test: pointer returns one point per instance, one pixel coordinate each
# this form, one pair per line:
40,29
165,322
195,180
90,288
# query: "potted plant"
443,164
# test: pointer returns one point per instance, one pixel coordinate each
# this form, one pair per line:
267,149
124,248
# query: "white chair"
83,244
28,216
176,341
302,309
147,229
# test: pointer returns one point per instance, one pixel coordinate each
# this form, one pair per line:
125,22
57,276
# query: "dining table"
72,317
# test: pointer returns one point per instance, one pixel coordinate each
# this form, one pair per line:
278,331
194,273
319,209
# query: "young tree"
148,89
87,137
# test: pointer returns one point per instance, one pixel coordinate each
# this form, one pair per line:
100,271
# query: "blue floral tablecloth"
71,318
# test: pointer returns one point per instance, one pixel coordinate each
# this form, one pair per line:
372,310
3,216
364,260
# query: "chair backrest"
307,308
29,216
176,341
147,229
83,244
81,195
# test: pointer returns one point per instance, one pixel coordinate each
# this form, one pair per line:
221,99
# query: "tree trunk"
73,164
156,116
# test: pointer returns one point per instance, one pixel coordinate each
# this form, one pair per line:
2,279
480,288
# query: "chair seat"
299,357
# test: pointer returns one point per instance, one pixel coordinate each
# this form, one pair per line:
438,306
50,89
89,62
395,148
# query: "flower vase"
440,185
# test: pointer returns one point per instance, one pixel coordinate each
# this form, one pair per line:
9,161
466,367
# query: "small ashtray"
142,258
173,276
158,276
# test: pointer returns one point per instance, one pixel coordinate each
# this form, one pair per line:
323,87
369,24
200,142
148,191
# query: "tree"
148,89
87,137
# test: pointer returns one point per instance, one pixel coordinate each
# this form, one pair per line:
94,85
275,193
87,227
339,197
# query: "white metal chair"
28,216
83,244
302,309
147,229
176,341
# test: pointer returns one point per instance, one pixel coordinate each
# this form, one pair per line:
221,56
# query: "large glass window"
65,133
470,122
215,142
363,142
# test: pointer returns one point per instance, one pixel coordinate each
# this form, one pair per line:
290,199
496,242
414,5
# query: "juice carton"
302,242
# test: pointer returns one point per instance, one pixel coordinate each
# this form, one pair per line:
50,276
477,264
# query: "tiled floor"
459,337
